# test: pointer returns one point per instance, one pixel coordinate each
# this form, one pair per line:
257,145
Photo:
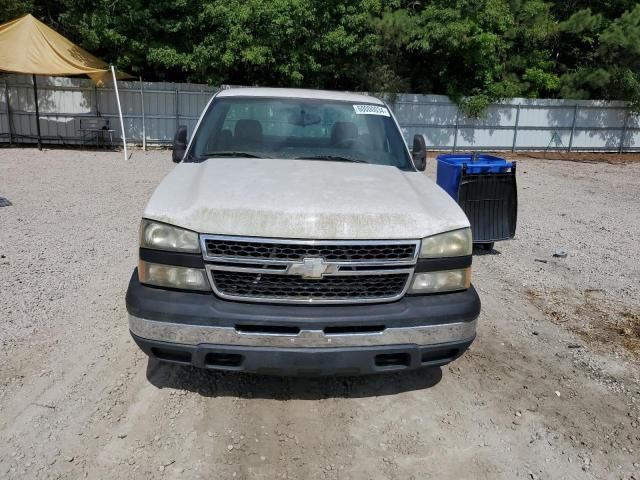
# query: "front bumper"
206,331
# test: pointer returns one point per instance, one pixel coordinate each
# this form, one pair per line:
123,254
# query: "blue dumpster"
485,187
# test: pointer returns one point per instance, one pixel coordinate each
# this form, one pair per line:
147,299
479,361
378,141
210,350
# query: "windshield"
299,129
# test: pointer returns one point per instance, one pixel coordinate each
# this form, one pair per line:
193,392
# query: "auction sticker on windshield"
371,110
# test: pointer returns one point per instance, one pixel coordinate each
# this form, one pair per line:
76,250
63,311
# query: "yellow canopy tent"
29,46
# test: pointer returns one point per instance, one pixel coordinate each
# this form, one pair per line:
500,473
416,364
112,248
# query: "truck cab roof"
299,93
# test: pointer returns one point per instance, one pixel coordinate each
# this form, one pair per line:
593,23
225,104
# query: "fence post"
177,108
515,130
144,130
6,101
573,126
622,135
455,136
35,98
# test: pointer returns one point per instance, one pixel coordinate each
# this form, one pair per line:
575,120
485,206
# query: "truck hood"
303,199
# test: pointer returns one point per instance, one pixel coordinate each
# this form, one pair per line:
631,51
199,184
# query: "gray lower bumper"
208,332
199,334
304,361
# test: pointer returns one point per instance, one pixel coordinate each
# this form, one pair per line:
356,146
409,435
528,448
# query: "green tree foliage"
599,56
476,51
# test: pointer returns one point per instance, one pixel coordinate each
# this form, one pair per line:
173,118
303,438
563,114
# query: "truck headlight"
161,236
457,243
172,276
442,281
450,244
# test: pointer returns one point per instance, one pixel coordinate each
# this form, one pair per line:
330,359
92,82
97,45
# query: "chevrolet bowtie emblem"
309,268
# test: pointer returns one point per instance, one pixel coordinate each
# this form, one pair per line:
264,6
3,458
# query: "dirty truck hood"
303,199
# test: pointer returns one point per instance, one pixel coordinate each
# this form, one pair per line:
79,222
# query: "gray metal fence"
517,124
521,124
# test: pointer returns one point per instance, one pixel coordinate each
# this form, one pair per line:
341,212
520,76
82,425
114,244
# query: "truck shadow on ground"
480,252
229,384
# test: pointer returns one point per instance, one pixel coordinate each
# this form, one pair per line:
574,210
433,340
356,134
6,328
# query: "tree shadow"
486,127
435,117
598,124
61,101
85,58
212,383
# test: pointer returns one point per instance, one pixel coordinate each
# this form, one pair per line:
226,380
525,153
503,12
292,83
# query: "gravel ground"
550,389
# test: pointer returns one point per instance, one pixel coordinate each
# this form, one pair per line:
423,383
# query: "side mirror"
419,152
179,144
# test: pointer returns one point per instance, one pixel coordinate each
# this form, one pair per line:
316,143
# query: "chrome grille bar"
295,271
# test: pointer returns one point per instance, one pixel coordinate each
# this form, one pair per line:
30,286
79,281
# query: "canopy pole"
124,138
35,96
144,132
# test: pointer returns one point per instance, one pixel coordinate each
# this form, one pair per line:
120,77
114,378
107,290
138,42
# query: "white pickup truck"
298,236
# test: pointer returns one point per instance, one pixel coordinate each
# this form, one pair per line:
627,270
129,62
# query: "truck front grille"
294,251
309,271
293,287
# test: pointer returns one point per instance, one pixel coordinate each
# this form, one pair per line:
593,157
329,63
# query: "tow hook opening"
169,355
223,360
385,360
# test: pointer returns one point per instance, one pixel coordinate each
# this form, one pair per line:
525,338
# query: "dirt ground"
550,389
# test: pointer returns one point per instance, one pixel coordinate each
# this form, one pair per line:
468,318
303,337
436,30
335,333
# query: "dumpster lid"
473,158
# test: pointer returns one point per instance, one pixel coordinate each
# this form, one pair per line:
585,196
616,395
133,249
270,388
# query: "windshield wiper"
235,154
331,158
